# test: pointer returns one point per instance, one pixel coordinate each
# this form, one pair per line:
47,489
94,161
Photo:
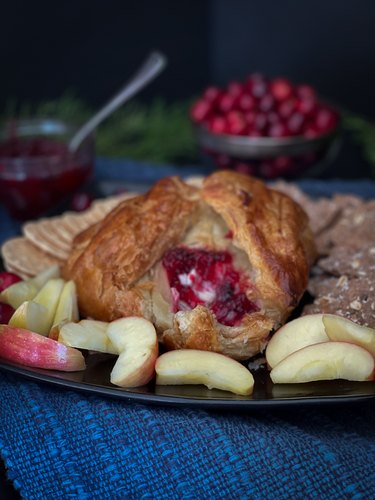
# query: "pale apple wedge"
47,274
325,361
29,316
87,334
67,307
295,335
191,366
31,349
49,296
137,342
22,291
344,330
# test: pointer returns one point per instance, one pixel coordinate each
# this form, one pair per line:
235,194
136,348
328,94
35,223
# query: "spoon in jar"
151,68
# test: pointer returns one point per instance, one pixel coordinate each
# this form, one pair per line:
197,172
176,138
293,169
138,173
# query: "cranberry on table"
81,201
7,279
6,312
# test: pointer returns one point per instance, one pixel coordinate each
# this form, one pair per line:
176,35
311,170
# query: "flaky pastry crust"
116,263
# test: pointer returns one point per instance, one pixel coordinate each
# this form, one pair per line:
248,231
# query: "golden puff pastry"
215,267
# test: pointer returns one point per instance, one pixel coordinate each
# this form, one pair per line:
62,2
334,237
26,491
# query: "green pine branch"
159,132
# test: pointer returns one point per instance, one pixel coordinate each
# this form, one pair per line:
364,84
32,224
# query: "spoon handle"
151,68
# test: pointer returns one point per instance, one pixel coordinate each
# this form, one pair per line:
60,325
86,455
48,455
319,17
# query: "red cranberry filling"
202,277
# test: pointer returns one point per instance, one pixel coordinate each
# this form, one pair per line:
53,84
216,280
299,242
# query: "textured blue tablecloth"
65,444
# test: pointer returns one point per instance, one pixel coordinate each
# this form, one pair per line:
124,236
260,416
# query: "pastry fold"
119,268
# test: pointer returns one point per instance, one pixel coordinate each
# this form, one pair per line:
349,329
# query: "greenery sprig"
158,132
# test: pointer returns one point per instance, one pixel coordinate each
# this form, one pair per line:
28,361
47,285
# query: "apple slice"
295,335
29,316
67,307
87,334
49,296
325,361
34,350
136,340
22,291
192,366
342,329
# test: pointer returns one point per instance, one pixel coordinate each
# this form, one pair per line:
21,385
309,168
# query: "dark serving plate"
96,380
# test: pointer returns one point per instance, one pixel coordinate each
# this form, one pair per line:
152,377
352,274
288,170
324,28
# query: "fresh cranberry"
7,279
6,312
281,89
244,168
295,123
200,111
266,103
278,130
253,132
306,106
273,117
267,169
250,118
286,108
283,164
212,94
325,119
80,202
257,85
236,123
235,89
226,103
260,122
204,277
310,130
305,92
246,102
223,161
218,125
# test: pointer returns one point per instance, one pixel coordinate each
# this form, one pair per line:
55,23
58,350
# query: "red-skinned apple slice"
192,366
344,330
136,340
296,334
31,349
325,361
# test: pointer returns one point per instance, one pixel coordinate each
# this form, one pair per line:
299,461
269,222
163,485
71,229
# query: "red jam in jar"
36,173
206,277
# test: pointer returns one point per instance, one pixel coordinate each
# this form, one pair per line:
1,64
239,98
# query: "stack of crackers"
341,282
48,241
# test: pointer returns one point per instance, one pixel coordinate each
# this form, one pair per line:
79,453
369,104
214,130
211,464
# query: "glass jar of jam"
37,170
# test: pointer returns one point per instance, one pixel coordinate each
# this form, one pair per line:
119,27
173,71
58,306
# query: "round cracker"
21,254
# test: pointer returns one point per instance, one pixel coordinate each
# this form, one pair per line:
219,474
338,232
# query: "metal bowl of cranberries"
266,127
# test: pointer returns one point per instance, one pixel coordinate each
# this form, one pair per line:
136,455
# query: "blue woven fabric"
64,444
60,444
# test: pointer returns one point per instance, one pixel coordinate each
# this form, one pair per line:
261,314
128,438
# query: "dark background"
91,47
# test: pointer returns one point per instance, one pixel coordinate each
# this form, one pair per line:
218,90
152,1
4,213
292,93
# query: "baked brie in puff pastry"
216,267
